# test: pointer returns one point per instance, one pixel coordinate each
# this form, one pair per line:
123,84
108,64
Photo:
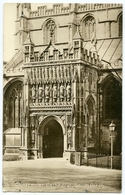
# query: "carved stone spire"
78,34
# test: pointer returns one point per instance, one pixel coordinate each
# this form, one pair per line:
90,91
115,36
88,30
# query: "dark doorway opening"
52,140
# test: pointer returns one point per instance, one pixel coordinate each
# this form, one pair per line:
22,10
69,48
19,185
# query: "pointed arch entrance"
51,143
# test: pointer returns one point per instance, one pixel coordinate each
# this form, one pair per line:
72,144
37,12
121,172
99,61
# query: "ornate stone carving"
47,93
33,90
55,92
63,119
61,92
73,114
26,116
51,26
69,133
68,92
40,93
41,119
69,136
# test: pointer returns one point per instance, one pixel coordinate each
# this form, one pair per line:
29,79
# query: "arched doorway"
52,139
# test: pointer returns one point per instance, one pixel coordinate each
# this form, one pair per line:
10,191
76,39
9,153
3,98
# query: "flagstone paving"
58,175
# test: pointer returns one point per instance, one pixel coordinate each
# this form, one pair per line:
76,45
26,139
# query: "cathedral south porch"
50,136
61,92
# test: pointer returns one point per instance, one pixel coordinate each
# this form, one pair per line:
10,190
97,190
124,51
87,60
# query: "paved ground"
57,175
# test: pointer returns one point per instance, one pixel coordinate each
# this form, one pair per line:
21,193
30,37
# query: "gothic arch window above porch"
88,27
50,29
112,99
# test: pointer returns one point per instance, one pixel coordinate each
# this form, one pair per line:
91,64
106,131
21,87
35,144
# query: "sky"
9,17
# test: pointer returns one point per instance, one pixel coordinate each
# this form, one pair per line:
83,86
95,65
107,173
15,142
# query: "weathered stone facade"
63,86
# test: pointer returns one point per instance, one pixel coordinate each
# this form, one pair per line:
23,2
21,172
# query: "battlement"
53,54
43,11
60,9
95,6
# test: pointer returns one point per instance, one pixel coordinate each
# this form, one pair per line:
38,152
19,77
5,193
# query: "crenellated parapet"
95,6
58,9
52,54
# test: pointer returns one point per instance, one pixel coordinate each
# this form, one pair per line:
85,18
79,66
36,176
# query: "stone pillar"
25,125
37,89
21,137
51,95
74,107
35,139
43,99
65,95
86,137
26,132
73,138
58,95
65,142
41,145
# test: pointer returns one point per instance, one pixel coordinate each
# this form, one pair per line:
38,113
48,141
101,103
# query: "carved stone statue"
40,92
55,91
61,91
33,93
47,92
73,114
68,91
69,134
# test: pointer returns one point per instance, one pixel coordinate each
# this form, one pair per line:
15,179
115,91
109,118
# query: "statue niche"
47,93
40,93
61,92
69,136
68,92
33,92
55,93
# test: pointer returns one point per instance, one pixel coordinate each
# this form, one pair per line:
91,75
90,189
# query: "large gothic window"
120,25
13,106
112,100
88,29
50,32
